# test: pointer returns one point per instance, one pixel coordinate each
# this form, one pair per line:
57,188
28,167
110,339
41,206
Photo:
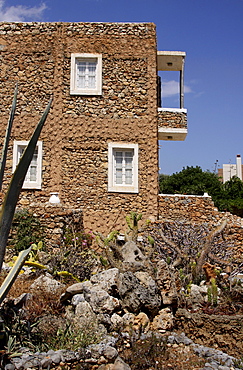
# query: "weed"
72,337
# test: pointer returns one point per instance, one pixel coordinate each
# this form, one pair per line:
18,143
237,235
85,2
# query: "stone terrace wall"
201,209
188,207
78,129
55,219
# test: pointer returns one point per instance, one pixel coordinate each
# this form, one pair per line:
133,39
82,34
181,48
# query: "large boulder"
136,295
46,284
134,259
72,290
163,321
107,280
101,301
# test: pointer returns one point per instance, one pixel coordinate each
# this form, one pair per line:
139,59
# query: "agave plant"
9,280
16,183
7,137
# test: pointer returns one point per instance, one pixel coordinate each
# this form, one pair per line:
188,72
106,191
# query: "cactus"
16,183
214,292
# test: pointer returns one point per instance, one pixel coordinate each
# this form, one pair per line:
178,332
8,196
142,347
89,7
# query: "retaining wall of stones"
55,219
201,209
188,207
219,331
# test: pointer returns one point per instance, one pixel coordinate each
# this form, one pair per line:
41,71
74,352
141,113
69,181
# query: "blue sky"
211,33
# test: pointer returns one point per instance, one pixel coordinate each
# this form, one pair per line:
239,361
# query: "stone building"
99,146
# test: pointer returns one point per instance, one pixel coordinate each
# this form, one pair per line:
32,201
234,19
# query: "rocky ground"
137,312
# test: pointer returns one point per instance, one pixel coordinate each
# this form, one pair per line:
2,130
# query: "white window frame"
74,89
122,188
16,156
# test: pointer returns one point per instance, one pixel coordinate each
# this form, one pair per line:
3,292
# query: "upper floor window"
123,167
86,74
33,177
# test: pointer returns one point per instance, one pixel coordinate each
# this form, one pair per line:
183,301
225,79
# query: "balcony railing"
172,124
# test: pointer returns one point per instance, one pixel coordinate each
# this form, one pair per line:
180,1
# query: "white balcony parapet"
173,110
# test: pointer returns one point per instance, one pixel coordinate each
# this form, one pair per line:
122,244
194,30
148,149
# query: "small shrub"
26,230
76,255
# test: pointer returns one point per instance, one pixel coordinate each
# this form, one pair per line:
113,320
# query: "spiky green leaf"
11,277
7,136
15,186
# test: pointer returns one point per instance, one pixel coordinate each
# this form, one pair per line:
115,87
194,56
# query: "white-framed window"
123,167
33,177
86,74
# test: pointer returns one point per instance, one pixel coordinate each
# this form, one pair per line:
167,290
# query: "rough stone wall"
188,208
200,209
55,219
172,119
78,129
222,330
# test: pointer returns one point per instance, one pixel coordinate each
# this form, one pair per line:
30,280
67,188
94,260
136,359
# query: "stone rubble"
106,352
137,305
216,359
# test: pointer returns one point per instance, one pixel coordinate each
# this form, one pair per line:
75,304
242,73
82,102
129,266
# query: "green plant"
209,294
76,256
7,137
104,261
26,229
151,240
17,180
36,248
212,292
132,223
18,331
73,337
168,260
11,277
189,286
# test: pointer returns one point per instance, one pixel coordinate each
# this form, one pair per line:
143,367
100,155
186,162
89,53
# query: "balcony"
172,122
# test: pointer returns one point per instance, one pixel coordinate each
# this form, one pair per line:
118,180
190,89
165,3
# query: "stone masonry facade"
172,119
79,127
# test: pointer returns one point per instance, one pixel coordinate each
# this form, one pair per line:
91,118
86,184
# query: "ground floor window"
33,177
123,167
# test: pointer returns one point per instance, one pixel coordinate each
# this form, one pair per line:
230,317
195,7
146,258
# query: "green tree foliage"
191,180
231,198
195,181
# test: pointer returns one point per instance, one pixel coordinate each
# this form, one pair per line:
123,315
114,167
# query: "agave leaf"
36,265
7,136
15,186
11,277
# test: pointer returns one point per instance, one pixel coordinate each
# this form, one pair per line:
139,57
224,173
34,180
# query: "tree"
195,181
191,180
231,198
